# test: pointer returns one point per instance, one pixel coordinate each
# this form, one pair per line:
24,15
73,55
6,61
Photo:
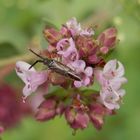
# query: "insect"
56,66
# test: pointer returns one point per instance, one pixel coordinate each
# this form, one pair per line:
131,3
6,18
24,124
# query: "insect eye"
50,62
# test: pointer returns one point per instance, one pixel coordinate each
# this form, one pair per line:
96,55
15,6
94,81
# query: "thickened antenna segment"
37,61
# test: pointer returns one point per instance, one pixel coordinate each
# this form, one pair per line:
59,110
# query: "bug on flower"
57,67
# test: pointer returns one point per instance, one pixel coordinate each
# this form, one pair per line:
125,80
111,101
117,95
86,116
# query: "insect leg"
37,61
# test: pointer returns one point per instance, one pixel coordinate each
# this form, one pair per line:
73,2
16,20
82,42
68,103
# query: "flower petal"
66,48
27,91
38,78
74,26
116,83
110,66
22,68
61,44
86,81
120,70
77,84
100,78
87,32
110,98
31,78
89,71
71,50
79,65
121,92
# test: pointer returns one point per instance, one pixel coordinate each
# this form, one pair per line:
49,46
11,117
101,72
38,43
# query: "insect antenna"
41,61
37,61
36,54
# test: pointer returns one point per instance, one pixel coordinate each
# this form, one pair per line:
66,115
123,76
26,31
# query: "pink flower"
66,48
111,74
111,79
75,28
111,98
31,78
85,72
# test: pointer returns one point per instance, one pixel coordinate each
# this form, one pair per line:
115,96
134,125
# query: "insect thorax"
48,62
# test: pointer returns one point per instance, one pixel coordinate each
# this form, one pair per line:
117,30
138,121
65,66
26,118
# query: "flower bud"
60,108
65,31
47,110
107,39
77,119
96,113
86,45
52,35
93,59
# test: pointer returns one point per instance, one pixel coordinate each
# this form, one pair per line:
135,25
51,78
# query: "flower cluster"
77,48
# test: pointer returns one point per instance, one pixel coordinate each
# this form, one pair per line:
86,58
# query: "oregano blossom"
82,54
111,79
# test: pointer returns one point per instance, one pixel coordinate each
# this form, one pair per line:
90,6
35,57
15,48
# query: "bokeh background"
21,24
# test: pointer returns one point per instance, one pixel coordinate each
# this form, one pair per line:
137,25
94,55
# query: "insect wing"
59,67
64,70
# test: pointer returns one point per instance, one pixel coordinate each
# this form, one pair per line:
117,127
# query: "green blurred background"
21,24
